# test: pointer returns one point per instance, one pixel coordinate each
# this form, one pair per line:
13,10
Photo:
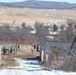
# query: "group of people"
9,49
35,47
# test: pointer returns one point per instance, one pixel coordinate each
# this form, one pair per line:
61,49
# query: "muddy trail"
8,60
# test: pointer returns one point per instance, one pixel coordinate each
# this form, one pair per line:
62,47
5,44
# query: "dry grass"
7,15
69,64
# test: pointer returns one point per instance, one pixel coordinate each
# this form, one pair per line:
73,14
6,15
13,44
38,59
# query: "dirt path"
8,60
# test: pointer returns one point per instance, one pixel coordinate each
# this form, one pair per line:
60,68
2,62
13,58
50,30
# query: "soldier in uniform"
4,50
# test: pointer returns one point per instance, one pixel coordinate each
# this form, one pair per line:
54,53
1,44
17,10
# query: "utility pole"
73,46
0,56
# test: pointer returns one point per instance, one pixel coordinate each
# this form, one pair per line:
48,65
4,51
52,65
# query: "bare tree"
41,30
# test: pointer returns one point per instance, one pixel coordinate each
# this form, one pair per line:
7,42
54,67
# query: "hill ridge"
40,5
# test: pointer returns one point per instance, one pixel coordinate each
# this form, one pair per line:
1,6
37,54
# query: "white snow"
32,67
33,32
54,33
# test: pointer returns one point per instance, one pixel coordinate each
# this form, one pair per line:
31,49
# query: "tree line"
22,34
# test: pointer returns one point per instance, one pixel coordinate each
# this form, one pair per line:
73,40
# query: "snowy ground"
31,67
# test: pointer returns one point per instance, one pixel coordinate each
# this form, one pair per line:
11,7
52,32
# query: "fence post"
46,59
42,55
47,56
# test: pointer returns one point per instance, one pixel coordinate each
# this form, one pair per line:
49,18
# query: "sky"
69,1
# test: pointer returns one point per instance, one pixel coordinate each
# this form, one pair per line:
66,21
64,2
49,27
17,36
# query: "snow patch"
32,67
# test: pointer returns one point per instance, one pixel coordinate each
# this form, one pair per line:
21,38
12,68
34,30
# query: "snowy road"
31,67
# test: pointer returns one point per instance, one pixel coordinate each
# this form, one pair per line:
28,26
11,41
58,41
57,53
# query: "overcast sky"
70,1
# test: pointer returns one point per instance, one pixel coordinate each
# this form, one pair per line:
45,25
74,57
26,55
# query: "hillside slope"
40,5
